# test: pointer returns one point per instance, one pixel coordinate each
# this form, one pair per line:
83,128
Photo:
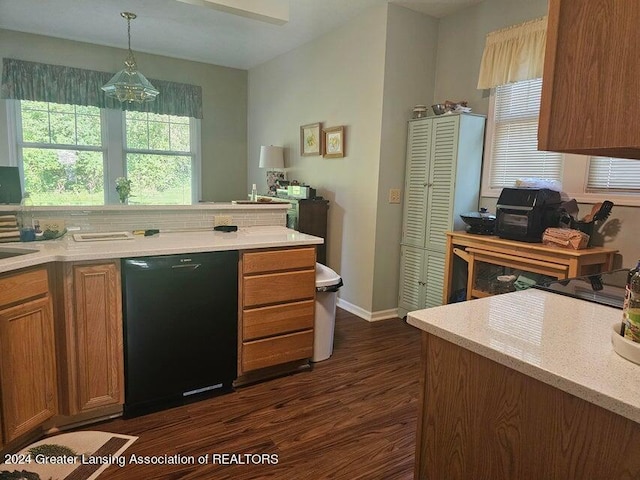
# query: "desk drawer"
277,350
278,319
278,260
278,288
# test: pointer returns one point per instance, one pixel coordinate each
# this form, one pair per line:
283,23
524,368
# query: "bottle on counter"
25,219
631,307
254,193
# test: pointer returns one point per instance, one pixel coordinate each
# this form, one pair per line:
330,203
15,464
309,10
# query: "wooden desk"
530,257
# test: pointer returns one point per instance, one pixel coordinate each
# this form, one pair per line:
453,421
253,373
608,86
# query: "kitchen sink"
14,252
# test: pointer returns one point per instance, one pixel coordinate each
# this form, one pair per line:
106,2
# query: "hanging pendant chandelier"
129,85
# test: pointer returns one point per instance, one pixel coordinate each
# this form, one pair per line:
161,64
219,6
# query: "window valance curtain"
22,80
514,53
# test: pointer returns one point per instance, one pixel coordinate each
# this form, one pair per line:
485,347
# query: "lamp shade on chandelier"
129,85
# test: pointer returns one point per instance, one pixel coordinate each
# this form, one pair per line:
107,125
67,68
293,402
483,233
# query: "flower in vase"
123,187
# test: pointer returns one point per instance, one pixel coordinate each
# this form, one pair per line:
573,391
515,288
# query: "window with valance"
68,156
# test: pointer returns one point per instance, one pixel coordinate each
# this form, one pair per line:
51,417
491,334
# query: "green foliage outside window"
63,157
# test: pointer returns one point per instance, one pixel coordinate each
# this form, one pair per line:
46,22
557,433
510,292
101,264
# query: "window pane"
159,136
35,125
56,124
63,128
617,174
180,138
137,135
149,131
63,177
159,179
515,153
89,132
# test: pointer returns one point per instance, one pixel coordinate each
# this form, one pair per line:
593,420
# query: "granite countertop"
67,249
561,341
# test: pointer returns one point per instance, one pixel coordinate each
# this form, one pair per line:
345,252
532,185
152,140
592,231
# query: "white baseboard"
365,314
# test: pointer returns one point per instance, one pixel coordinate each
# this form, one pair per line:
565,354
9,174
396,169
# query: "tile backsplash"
108,220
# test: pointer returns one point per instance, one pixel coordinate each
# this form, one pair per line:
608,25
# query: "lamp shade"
271,157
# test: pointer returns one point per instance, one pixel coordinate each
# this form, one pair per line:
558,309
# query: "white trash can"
328,283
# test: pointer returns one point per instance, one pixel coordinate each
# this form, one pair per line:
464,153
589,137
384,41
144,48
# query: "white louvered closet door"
442,181
412,287
432,202
416,179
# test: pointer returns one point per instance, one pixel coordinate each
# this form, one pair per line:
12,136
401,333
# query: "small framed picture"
310,139
333,142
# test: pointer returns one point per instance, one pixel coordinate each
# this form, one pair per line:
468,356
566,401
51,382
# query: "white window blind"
613,174
515,151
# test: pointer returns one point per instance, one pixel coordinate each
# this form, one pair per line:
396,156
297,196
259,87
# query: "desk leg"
471,274
574,268
448,272
609,264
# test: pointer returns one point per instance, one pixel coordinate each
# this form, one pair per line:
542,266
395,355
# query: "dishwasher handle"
191,266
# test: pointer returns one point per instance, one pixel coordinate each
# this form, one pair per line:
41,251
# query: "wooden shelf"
475,293
534,258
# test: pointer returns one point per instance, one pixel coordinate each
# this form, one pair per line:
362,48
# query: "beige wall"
224,92
461,41
336,79
409,78
366,75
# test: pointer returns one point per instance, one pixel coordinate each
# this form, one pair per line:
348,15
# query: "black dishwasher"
181,328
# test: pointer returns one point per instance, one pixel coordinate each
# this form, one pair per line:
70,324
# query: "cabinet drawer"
278,260
278,288
277,319
277,350
22,286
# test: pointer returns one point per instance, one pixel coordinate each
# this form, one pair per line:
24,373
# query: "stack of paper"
9,231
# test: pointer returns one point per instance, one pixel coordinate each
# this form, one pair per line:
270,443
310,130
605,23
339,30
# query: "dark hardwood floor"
352,417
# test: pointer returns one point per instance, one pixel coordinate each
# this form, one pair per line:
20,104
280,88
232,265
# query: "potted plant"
123,187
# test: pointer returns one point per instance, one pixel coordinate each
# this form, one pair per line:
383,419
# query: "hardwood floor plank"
351,417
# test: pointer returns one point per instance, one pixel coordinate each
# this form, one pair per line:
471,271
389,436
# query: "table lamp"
272,158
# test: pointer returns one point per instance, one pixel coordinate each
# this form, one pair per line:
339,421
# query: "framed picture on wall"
310,139
333,142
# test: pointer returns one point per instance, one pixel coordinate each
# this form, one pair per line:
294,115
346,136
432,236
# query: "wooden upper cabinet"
27,353
591,84
90,336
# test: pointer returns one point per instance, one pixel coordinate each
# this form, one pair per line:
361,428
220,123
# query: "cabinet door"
590,83
441,181
433,278
412,291
416,180
94,336
27,367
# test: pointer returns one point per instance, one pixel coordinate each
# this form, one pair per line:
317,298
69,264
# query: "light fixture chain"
129,31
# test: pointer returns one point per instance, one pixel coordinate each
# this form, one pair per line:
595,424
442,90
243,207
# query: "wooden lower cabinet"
90,336
482,420
277,308
27,353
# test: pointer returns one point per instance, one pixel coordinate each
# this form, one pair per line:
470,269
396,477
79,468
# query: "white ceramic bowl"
623,346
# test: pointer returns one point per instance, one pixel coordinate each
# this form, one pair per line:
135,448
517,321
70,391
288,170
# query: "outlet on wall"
394,195
222,220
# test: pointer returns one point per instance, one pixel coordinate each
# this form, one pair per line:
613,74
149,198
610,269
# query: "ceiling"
193,32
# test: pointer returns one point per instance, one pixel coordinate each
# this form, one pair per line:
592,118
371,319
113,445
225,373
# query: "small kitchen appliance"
524,213
480,223
301,191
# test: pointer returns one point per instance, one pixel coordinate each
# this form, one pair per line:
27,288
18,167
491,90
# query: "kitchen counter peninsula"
525,385
67,249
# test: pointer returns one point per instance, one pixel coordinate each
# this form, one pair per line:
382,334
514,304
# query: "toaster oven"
524,213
